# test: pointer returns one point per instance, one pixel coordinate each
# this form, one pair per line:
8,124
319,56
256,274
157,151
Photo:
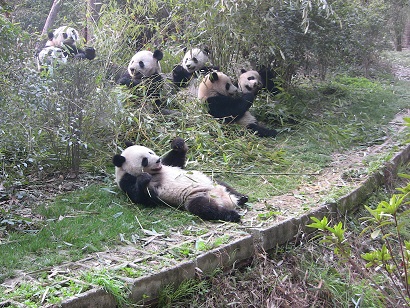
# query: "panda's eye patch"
227,86
195,60
251,78
144,162
141,64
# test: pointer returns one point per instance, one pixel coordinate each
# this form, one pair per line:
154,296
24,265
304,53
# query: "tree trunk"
55,8
93,10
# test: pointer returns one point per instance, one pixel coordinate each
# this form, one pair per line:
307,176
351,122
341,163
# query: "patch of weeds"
110,283
336,193
184,250
202,245
268,215
131,272
38,295
171,296
352,175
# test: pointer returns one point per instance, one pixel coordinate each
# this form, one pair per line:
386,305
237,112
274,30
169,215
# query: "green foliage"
111,284
170,296
12,38
385,223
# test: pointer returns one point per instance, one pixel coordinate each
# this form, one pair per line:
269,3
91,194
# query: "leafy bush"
391,255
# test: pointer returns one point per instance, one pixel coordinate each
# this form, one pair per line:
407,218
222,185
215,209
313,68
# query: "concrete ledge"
225,256
146,289
95,298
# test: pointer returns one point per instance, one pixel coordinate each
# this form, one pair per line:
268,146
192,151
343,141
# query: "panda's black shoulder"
127,80
181,76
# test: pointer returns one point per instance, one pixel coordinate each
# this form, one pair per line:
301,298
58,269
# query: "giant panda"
144,68
225,101
148,179
193,62
249,81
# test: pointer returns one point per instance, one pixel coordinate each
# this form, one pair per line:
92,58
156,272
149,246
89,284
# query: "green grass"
85,221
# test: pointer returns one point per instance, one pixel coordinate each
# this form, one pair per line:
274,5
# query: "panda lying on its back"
147,179
224,101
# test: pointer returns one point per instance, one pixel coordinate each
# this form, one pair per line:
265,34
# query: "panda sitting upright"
194,61
249,81
147,179
226,102
144,68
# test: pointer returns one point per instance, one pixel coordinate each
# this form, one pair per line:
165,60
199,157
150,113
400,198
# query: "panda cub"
225,101
194,61
147,179
144,68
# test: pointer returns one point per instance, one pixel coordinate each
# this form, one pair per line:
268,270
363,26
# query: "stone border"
145,290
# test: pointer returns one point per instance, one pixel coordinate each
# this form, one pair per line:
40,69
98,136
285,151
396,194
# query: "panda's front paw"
144,178
232,216
179,145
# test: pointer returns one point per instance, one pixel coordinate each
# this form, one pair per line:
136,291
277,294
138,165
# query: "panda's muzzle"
157,166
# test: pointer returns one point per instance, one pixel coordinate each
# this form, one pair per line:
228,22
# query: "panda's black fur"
268,77
149,180
226,102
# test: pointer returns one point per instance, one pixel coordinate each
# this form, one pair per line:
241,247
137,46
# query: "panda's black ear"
158,54
213,76
243,70
128,143
185,49
50,35
118,160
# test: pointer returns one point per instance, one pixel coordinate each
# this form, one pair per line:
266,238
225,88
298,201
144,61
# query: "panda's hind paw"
243,199
179,145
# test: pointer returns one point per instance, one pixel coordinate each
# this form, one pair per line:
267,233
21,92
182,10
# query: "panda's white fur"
50,57
144,63
140,173
249,81
226,101
195,59
63,34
